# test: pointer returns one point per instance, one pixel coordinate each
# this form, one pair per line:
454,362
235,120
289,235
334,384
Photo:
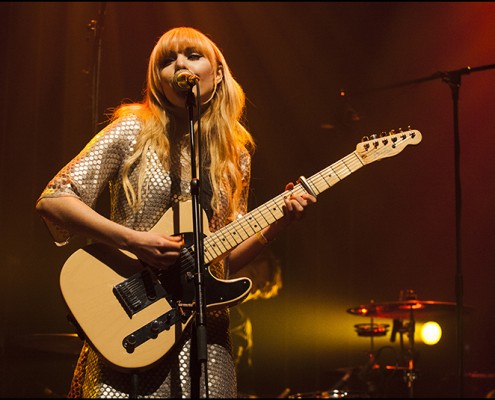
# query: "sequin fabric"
85,177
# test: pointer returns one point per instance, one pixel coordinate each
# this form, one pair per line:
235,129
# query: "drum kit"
404,313
38,365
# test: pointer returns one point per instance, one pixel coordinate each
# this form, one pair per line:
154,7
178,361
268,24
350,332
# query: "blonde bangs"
180,39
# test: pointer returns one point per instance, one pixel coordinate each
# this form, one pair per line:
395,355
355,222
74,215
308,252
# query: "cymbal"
405,309
62,343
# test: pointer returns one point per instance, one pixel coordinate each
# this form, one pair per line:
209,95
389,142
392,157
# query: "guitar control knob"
155,326
168,321
130,343
154,329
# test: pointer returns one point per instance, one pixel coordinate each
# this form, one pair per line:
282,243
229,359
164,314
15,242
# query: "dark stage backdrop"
391,226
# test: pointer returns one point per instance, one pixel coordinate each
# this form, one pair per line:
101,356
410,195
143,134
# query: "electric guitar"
133,314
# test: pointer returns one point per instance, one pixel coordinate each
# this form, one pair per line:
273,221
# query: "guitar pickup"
138,292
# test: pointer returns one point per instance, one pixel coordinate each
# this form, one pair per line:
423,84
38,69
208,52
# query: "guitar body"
108,293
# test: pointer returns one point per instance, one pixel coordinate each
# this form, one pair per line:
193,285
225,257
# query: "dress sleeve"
87,174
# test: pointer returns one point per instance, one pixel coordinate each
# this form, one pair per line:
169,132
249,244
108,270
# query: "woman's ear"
219,76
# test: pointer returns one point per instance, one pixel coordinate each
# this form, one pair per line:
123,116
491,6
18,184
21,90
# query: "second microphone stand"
453,79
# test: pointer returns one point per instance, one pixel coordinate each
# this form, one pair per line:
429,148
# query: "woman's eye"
165,62
195,56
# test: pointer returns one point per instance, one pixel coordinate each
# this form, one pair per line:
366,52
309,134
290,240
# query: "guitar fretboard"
249,224
376,148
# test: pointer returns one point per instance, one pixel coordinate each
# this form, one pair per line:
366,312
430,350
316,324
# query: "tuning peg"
384,137
366,145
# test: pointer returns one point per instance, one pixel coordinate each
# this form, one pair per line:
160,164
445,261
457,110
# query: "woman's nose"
181,62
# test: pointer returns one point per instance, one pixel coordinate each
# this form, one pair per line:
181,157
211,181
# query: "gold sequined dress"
85,177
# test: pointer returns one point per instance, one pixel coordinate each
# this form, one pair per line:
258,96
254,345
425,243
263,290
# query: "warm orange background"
390,226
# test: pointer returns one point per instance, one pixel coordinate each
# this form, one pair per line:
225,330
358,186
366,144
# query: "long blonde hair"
222,129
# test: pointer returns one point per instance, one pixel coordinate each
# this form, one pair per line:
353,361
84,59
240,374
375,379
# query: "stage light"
431,333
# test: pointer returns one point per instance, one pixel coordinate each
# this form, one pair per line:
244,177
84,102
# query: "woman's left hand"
295,204
294,208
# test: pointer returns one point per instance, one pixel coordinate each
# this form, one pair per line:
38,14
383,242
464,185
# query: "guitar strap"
206,190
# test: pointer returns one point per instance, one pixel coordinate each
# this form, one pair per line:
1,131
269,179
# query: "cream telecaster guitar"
133,315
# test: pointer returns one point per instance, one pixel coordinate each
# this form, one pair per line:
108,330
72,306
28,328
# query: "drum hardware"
325,394
371,329
61,343
404,314
44,360
406,308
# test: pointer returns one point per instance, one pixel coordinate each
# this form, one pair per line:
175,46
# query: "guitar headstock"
384,145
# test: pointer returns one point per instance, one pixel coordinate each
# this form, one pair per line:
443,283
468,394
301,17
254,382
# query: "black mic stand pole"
199,353
96,26
453,79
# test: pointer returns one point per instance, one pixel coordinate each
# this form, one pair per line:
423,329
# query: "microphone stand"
199,335
96,26
453,79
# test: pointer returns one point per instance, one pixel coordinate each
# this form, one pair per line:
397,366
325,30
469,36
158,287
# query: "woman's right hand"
156,250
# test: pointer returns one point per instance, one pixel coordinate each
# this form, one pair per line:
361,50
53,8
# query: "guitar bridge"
138,292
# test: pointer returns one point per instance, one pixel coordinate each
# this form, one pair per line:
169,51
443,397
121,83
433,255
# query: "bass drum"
327,394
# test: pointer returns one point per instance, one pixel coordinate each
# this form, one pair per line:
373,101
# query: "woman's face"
196,63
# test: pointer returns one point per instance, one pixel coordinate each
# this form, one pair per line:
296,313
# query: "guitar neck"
233,234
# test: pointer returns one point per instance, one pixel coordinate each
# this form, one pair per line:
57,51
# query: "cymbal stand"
372,338
409,328
365,371
410,374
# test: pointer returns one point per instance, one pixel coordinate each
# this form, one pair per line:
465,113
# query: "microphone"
184,80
